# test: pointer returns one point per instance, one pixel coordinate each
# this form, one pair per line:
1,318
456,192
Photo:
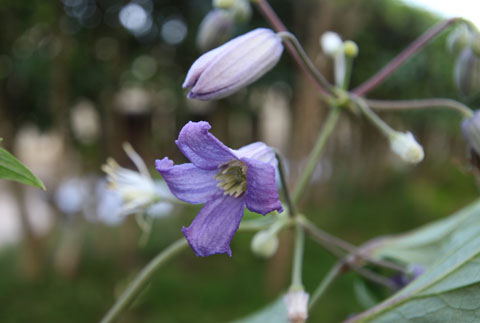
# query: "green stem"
142,279
298,259
327,240
420,104
283,179
324,134
319,78
278,26
373,117
348,72
325,283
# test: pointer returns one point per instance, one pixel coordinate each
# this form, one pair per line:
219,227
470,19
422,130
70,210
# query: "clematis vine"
226,180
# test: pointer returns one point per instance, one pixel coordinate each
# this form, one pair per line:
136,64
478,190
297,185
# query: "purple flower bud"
471,132
216,28
467,72
232,66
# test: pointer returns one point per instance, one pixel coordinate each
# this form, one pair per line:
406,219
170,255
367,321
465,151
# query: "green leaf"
448,291
275,312
424,245
14,170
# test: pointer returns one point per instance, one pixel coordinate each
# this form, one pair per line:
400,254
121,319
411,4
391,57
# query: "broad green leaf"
14,170
448,291
275,312
424,245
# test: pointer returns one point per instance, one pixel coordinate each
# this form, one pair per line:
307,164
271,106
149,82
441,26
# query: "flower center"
233,178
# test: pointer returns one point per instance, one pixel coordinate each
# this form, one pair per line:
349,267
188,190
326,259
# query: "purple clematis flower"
226,180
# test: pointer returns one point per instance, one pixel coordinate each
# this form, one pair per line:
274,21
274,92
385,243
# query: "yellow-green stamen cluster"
233,178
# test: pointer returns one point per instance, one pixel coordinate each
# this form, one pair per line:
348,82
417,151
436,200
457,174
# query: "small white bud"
296,302
331,43
405,146
264,244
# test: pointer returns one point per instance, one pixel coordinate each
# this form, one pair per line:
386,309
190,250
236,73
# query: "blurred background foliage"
76,82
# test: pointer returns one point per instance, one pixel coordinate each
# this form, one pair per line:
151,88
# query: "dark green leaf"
448,291
14,170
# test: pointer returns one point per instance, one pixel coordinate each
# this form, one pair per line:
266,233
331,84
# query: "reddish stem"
278,26
401,58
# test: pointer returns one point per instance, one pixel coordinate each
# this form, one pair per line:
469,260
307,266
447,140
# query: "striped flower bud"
234,65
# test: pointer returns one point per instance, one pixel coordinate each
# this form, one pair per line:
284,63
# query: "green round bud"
242,10
264,244
350,48
224,4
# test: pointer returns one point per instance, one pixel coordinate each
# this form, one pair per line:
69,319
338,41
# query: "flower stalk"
401,58
283,179
306,61
142,279
316,153
334,272
278,26
421,104
298,259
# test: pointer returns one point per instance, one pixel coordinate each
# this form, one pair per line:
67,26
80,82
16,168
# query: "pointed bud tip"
297,306
407,148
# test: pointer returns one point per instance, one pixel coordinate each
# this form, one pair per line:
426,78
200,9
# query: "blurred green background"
76,82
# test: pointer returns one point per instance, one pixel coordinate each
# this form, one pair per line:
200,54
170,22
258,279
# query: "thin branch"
283,179
319,78
413,48
326,238
278,26
420,104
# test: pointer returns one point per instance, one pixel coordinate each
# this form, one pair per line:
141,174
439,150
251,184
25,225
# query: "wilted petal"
262,194
188,182
236,64
216,223
259,151
202,148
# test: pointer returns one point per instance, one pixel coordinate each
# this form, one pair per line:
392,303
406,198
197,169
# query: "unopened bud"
405,146
234,65
242,10
215,29
264,244
223,4
350,48
467,72
458,39
471,132
331,43
296,302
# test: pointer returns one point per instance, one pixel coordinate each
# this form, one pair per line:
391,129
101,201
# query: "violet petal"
259,151
188,182
202,148
262,193
214,226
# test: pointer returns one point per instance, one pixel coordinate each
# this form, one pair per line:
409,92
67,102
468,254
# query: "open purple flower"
226,180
